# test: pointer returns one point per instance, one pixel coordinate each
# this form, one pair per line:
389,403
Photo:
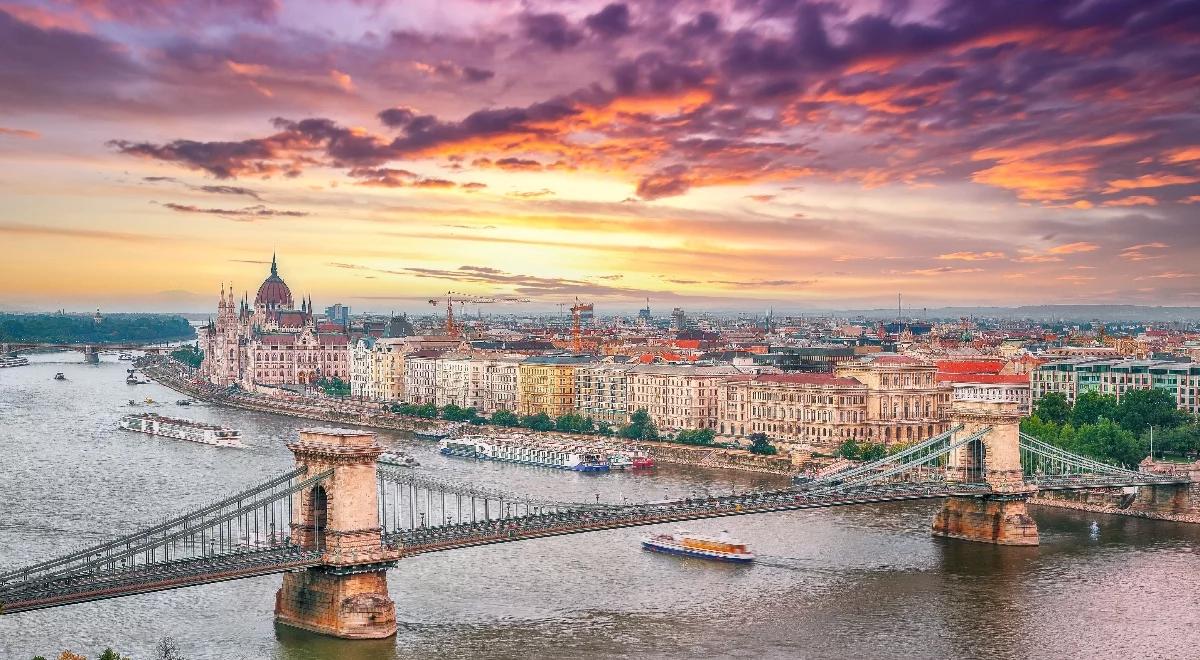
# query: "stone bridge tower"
1001,516
347,595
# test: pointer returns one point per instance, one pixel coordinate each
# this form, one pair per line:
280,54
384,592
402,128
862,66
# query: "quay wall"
180,378
1178,503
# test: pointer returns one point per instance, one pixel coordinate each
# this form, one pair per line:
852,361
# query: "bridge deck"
147,578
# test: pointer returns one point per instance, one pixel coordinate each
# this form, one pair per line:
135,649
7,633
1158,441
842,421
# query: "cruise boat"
720,548
132,378
126,356
182,429
627,459
60,376
13,361
397,459
519,449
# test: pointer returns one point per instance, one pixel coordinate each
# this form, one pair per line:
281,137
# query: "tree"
1053,407
848,449
574,423
1141,409
702,437
1108,442
1182,440
640,426
872,452
505,418
189,355
110,654
760,444
455,413
334,386
538,422
1091,406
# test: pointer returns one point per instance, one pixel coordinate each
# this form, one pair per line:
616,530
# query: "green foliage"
1183,440
848,449
1091,406
189,355
110,654
575,423
1141,409
80,328
334,386
760,444
425,410
505,418
1053,407
538,422
640,427
1107,441
872,452
606,430
702,437
1099,427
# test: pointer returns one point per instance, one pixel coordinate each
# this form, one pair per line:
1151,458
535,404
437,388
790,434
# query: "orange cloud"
19,132
1138,252
342,80
971,256
1183,155
1075,279
1135,200
1038,259
1149,181
1037,181
942,270
1168,275
1072,248
1194,199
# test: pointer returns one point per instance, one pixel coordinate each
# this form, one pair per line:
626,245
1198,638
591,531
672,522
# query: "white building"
602,392
678,396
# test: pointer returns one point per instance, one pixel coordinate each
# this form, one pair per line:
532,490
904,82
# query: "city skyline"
710,155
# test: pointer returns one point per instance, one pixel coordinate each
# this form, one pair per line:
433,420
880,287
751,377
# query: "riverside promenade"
184,379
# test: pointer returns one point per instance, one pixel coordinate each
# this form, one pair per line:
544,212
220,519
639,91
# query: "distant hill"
1044,313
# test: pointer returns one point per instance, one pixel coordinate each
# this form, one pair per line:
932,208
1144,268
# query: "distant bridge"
91,350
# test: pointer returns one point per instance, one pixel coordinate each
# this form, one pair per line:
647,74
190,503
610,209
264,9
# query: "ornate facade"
270,342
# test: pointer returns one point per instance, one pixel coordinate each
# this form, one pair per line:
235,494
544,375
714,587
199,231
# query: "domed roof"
274,292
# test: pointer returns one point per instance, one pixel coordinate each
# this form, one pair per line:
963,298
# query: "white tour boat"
13,361
182,429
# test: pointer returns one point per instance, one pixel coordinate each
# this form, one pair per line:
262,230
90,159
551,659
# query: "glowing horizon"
707,154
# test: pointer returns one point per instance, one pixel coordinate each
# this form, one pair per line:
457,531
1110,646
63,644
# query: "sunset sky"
706,154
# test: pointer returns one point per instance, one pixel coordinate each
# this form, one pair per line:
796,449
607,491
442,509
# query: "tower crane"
452,297
577,311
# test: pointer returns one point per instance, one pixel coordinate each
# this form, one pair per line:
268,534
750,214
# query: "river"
855,582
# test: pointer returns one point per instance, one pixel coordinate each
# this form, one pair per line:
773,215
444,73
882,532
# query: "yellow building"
546,384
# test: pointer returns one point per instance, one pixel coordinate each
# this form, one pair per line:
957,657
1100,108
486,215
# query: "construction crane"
577,311
453,297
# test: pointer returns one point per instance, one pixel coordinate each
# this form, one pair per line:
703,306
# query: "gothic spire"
274,268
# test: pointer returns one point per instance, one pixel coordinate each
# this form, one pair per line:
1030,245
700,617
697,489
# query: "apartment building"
420,377
546,384
602,392
678,396
1116,377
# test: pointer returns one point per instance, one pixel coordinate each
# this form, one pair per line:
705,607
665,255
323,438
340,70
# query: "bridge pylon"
1000,517
347,595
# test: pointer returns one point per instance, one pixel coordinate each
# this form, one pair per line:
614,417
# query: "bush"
505,418
702,437
538,422
761,445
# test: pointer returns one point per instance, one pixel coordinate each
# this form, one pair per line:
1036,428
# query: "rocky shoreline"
181,378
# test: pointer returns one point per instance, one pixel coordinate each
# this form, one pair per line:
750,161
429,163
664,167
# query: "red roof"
984,379
809,379
970,366
277,339
334,340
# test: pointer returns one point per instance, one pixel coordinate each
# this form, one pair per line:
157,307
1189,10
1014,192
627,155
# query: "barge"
719,548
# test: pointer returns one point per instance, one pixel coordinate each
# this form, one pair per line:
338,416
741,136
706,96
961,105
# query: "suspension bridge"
334,524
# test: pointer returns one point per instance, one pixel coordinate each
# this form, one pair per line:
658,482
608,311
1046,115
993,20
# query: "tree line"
1099,426
639,427
82,329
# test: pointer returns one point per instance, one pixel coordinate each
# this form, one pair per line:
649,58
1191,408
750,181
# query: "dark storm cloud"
610,22
551,30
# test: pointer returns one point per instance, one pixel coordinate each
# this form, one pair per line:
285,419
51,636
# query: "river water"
856,582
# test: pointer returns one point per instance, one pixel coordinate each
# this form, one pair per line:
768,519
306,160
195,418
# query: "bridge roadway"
449,537
160,576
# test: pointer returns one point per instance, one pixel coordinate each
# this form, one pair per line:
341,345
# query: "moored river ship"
13,361
182,429
518,449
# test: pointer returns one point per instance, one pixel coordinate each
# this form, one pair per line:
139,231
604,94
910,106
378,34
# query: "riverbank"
1113,510
185,380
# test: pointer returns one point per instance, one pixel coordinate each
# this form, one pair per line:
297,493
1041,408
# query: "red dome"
274,292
